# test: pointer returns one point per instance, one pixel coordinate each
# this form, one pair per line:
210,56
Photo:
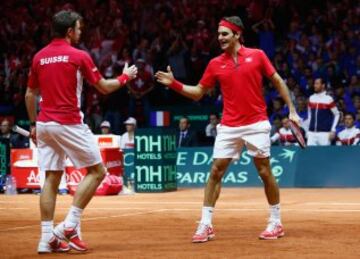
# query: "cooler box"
24,168
26,177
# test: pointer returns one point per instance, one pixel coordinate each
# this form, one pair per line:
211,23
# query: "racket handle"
21,131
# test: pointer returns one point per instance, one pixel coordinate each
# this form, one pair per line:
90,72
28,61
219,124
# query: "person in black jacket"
185,136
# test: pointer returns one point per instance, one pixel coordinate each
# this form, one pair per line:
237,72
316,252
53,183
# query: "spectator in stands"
340,93
356,102
323,116
185,136
301,107
15,140
141,49
93,111
105,127
210,130
275,127
138,91
177,56
124,58
128,138
323,43
357,118
5,129
350,135
265,30
354,86
278,108
284,136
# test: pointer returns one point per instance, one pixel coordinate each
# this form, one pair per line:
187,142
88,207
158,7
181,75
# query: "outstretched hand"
131,72
165,78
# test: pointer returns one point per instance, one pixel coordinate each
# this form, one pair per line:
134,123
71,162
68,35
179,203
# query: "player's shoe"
70,235
54,245
203,233
274,230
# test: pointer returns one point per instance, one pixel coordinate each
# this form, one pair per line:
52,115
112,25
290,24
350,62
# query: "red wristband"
176,85
123,78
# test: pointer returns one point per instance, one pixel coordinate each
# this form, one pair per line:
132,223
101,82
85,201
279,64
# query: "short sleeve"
267,68
89,70
33,81
208,79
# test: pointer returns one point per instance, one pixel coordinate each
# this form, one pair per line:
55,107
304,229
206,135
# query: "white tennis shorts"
55,142
318,138
230,141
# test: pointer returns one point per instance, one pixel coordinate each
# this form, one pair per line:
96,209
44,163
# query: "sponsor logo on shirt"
52,60
223,66
248,60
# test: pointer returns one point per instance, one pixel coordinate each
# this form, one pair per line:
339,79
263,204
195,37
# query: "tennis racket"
298,133
21,131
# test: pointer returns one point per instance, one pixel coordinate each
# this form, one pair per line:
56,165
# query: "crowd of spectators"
304,40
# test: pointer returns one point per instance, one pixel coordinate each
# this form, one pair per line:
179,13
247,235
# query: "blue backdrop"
292,167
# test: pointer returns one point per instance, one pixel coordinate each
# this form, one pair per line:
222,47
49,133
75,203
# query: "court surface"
319,223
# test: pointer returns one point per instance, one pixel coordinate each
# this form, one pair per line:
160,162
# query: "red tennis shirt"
241,85
58,71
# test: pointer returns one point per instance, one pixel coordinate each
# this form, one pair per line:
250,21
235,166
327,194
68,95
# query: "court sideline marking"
179,209
89,219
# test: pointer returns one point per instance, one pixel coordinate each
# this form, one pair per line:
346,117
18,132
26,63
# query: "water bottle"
128,188
10,185
131,185
14,185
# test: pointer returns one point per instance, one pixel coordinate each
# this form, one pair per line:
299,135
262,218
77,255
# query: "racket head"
298,133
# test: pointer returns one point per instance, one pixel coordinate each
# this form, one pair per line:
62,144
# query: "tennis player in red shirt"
57,74
240,72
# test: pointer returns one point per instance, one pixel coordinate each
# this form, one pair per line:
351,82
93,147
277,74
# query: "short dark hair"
214,113
349,114
323,82
235,20
185,117
62,21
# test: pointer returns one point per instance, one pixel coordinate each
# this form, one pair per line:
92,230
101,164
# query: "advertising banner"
155,160
193,167
4,156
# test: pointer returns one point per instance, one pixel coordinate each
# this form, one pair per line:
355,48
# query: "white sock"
46,230
275,213
206,217
73,217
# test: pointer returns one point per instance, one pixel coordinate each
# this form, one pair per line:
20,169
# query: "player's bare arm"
283,90
30,101
107,86
192,92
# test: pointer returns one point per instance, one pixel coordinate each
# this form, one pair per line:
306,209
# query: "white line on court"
136,202
15,209
184,210
197,209
191,203
97,208
90,219
266,209
333,203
